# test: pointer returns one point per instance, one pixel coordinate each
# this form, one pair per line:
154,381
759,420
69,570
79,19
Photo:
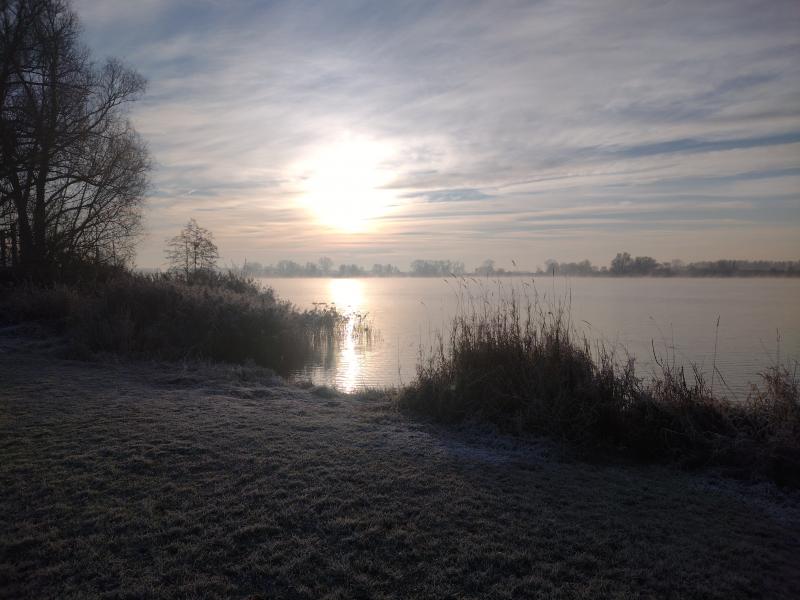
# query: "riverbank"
161,480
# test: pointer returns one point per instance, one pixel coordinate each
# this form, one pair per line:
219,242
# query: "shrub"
523,367
28,302
211,316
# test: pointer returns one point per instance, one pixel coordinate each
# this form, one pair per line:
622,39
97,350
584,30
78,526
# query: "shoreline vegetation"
204,315
517,364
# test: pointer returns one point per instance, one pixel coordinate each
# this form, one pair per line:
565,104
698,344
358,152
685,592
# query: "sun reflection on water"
348,297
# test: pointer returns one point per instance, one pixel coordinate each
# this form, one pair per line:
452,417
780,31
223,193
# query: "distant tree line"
436,268
622,265
324,267
625,265
194,252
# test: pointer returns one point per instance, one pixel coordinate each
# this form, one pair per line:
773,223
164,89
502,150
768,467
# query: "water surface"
759,321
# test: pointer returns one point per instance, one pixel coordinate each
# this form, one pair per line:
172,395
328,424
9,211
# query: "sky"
377,131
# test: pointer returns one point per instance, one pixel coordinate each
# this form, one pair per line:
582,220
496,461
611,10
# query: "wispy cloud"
455,195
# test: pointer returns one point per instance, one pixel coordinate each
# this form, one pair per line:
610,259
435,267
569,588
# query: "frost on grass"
147,480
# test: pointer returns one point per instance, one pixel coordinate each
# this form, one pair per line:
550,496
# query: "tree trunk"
27,248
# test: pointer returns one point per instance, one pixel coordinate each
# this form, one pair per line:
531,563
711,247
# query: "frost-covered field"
136,480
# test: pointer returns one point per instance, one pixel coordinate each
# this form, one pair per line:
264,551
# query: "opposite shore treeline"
623,265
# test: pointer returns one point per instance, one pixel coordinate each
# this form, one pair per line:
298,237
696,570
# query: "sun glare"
343,184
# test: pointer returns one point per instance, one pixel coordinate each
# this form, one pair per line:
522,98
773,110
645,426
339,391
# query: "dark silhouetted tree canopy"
73,171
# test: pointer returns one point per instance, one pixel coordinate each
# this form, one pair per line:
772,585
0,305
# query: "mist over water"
759,321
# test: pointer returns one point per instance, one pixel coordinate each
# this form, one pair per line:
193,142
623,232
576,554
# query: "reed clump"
221,317
520,363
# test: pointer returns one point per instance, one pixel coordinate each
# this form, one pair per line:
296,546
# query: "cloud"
110,12
694,146
455,195
541,106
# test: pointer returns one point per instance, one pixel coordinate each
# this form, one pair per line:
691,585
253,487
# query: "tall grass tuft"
518,361
223,317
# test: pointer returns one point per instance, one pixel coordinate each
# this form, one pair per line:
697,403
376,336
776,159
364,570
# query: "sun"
343,184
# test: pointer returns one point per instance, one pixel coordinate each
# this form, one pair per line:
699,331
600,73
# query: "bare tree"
192,250
72,168
325,265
